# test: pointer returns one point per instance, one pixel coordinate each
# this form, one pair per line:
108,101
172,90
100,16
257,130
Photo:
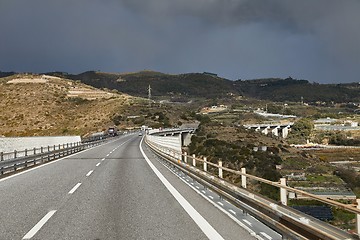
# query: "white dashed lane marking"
89,173
247,222
232,211
74,188
98,164
39,225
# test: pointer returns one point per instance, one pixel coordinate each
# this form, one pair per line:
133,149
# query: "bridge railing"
18,160
33,151
199,167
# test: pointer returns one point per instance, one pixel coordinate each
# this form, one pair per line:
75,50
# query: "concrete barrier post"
185,157
243,178
283,192
358,217
194,160
205,164
220,169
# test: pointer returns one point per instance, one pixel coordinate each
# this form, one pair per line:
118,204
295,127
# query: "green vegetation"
236,154
300,131
350,177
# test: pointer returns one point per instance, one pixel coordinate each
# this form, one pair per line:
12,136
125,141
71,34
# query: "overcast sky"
317,40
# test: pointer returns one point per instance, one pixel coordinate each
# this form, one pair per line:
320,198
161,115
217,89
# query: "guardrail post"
185,157
15,153
59,146
48,149
358,217
42,150
283,192
220,169
25,152
34,151
243,178
194,160
205,164
2,156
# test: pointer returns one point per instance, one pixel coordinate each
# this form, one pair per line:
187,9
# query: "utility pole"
302,100
149,95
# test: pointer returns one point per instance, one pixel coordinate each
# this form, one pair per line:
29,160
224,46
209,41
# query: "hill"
293,90
195,85
6,74
187,85
33,105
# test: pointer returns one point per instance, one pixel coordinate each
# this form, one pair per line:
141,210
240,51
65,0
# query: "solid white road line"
98,164
232,211
89,173
207,229
74,188
39,225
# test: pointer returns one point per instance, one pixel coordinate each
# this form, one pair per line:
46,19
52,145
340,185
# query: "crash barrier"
19,160
288,221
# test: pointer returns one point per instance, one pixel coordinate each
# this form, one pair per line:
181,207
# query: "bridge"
132,187
276,129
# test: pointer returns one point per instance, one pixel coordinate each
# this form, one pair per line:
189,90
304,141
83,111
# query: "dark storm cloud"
316,40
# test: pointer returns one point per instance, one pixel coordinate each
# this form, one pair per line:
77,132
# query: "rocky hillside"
34,105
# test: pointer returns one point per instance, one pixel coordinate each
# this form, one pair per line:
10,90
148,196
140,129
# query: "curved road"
109,192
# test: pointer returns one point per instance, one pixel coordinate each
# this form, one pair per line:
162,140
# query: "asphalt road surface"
113,192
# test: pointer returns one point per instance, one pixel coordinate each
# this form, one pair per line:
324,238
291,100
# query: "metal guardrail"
289,222
18,160
33,151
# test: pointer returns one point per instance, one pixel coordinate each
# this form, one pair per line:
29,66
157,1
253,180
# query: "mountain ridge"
210,86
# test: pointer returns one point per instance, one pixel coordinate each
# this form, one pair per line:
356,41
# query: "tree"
301,130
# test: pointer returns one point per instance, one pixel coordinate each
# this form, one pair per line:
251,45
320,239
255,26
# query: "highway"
118,190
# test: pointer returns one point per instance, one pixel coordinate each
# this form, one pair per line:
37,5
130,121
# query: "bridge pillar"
220,169
285,132
358,217
194,160
283,192
243,178
205,164
275,131
185,157
186,138
266,130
